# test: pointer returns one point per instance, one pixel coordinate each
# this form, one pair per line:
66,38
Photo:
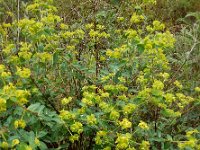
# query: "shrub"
94,86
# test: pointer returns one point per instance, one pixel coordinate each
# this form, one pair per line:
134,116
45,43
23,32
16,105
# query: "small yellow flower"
65,101
122,140
105,94
89,26
129,108
122,79
178,84
15,142
120,19
77,127
37,141
197,89
66,115
91,120
158,85
23,72
19,124
114,115
2,68
2,105
74,137
64,26
125,123
28,148
145,145
99,137
143,125
169,97
107,148
4,145
136,18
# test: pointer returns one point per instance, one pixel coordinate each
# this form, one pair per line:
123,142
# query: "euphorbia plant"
89,87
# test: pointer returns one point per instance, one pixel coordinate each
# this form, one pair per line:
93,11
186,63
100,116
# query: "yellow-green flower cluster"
8,49
117,52
21,96
105,107
26,23
178,84
3,31
122,79
19,124
164,75
15,142
118,87
96,34
144,94
2,104
3,73
197,89
66,101
2,68
136,18
149,1
129,108
68,34
77,127
91,119
100,136
141,79
23,72
157,26
89,88
171,113
145,145
90,98
107,77
169,98
79,33
89,26
51,19
25,51
125,124
155,57
43,57
64,26
66,115
158,85
192,141
4,145
43,7
105,95
114,115
123,98
143,125
120,19
131,34
165,40
36,28
183,100
74,137
123,140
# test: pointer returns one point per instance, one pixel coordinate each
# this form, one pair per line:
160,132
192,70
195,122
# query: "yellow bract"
23,72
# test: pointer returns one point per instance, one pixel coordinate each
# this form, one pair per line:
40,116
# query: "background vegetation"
99,74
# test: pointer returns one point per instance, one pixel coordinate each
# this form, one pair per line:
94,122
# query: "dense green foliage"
98,75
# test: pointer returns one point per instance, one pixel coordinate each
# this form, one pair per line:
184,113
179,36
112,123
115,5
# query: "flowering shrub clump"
93,86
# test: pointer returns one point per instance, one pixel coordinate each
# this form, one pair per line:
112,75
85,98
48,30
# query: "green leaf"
37,107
